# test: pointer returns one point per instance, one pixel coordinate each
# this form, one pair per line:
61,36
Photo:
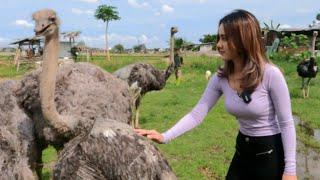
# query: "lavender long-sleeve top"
268,113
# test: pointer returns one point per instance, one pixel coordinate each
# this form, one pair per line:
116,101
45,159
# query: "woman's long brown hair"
244,35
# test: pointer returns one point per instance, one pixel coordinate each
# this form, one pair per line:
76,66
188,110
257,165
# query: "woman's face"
223,48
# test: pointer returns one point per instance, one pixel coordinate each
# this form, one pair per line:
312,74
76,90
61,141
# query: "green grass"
49,157
8,70
206,151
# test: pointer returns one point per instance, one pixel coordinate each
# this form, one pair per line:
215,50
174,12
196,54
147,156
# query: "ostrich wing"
16,136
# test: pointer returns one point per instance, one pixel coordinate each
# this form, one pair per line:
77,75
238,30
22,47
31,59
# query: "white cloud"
23,23
162,25
190,1
4,42
143,39
303,11
201,1
285,26
157,13
89,1
167,9
79,11
134,3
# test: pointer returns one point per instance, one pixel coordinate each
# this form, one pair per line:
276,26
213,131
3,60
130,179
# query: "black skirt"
257,158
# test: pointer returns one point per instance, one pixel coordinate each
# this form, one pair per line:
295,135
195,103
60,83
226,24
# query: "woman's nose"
219,46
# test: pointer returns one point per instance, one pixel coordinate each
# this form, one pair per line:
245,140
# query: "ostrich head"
315,33
46,22
173,30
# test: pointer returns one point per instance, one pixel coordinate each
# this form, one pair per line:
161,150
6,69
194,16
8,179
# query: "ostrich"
112,150
64,102
143,78
17,142
73,99
307,69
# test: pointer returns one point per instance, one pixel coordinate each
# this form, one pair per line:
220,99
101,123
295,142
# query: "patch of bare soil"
208,173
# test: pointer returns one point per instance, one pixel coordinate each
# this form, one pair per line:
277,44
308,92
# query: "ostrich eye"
52,19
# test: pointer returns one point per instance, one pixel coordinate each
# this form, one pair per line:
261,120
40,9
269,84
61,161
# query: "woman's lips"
221,52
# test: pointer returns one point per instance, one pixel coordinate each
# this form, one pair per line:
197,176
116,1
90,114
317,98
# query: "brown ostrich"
143,78
17,141
74,105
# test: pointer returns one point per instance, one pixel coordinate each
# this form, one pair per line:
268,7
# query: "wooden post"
87,52
17,56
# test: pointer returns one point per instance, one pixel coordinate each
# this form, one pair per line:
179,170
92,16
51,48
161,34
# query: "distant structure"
66,46
29,47
309,32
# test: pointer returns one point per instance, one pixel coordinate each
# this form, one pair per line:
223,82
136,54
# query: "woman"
256,94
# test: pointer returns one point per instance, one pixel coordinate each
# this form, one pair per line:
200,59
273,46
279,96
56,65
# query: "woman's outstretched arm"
193,118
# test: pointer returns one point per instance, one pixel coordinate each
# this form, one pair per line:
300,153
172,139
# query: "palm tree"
271,27
107,14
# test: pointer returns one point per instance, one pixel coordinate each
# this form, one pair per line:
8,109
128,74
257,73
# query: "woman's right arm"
193,118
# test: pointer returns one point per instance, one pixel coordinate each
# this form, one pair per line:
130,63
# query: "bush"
280,56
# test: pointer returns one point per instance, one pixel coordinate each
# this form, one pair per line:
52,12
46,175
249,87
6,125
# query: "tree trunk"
107,45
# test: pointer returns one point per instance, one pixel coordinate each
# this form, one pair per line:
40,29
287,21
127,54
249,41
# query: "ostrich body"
307,69
68,104
112,150
143,78
17,142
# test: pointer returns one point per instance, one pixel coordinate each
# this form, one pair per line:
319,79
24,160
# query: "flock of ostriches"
82,111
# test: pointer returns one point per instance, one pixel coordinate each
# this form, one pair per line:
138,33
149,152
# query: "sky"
149,21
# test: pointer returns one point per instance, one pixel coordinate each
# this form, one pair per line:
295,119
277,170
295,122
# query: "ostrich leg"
308,83
303,88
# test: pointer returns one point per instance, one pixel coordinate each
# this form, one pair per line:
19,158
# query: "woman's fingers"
150,134
141,132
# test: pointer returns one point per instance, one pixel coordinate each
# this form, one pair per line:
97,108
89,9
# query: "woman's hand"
289,177
151,134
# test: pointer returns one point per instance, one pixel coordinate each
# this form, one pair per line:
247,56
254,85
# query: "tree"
209,38
271,27
107,14
141,48
180,43
118,48
318,17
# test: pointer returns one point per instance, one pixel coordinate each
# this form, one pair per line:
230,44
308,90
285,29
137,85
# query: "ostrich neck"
48,77
171,65
313,45
171,49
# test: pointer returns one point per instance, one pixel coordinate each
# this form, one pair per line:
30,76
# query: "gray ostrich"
17,142
66,103
112,150
143,78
